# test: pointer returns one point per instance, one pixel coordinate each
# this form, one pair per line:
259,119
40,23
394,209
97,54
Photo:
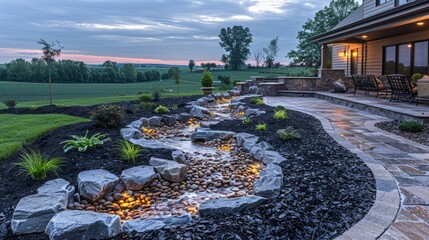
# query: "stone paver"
400,166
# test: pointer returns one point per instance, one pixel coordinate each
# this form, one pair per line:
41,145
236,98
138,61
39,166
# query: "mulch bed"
392,127
326,188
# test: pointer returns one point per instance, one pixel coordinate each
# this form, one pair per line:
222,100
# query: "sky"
143,31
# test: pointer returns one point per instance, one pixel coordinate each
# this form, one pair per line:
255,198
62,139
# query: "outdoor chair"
402,87
368,83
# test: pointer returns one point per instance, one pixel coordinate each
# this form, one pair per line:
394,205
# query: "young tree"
258,55
175,75
271,52
49,54
129,72
191,65
235,41
308,52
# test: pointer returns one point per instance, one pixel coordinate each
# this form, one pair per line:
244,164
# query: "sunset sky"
142,31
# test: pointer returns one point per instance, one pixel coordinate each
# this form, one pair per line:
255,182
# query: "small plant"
206,79
174,108
161,109
261,127
129,151
279,107
145,98
36,166
111,116
416,77
410,126
247,121
288,133
10,103
83,143
59,105
156,94
33,107
280,115
257,101
145,107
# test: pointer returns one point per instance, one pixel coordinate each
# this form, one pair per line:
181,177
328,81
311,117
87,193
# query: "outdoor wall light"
343,54
410,46
364,36
420,23
355,54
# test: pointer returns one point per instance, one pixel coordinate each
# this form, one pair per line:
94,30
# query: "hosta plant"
161,109
83,143
247,121
261,127
37,166
280,115
257,101
288,133
128,151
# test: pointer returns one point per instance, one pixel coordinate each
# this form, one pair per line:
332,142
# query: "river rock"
94,184
184,117
234,93
273,157
218,96
82,225
142,226
57,186
152,144
199,112
174,220
253,112
258,150
145,122
179,156
208,124
155,121
202,101
3,226
137,178
247,141
226,95
168,120
131,133
169,170
229,205
33,212
206,134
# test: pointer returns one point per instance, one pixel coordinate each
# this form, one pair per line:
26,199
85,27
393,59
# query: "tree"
175,75
235,41
258,55
308,52
208,66
271,52
129,72
49,54
191,65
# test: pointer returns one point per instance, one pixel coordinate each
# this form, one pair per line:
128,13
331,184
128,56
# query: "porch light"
343,54
355,54
364,36
410,46
420,23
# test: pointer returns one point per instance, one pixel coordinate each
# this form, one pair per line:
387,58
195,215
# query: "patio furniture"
368,83
402,87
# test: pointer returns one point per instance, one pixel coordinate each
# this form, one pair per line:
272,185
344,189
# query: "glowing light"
364,36
241,114
255,168
420,23
222,100
355,54
226,148
193,123
192,210
410,46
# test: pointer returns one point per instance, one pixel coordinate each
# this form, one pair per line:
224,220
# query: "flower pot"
207,90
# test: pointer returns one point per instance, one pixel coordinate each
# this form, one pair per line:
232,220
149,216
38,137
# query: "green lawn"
17,130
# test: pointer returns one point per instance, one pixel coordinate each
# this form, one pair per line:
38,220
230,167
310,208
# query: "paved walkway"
400,166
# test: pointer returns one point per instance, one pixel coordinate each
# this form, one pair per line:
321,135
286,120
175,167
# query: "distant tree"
140,77
235,41
258,56
18,70
129,72
50,51
165,76
308,52
111,64
176,75
271,52
191,65
208,66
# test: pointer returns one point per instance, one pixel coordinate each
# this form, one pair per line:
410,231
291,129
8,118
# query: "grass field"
17,130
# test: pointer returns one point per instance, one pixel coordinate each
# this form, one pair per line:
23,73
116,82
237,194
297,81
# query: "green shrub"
174,108
247,121
33,107
145,107
36,166
207,80
128,151
156,94
111,116
235,82
83,143
161,109
416,77
145,98
59,105
261,127
279,107
410,126
280,115
10,103
257,101
288,133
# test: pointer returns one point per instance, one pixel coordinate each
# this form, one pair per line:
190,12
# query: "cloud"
206,37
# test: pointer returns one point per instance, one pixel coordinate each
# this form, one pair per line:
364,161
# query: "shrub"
145,98
36,166
288,133
279,107
10,103
174,108
111,116
156,94
206,80
280,115
247,121
33,107
261,127
128,151
235,82
161,109
145,107
416,77
257,101
59,105
83,143
410,126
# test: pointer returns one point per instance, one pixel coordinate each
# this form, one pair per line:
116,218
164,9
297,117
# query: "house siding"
371,9
344,62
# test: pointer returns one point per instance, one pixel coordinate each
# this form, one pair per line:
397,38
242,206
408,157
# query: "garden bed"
392,127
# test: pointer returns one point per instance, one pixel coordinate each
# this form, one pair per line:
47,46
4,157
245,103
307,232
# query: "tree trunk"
50,85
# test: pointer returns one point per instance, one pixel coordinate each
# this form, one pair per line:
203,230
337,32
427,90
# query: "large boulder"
155,121
268,185
131,133
206,134
144,123
174,220
94,184
179,156
137,178
258,150
57,186
33,212
245,140
253,112
3,226
272,169
203,101
226,95
169,170
136,124
273,157
229,205
142,226
199,112
83,225
184,117
152,144
234,93
168,120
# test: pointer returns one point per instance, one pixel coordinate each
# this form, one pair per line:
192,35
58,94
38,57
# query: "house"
380,37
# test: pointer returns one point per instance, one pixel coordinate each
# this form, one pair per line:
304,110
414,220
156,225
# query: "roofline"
380,17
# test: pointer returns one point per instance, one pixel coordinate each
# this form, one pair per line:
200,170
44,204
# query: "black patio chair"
402,87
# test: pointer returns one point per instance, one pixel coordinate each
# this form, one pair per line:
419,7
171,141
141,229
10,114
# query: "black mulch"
392,127
326,188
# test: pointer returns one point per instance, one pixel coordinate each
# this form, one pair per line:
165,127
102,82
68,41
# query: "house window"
404,59
421,57
379,2
401,2
389,62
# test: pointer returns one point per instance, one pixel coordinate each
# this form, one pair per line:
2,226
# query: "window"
406,59
389,63
402,2
421,57
379,2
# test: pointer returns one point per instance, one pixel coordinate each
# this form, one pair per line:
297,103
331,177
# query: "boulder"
57,186
174,220
169,170
268,185
142,226
229,205
184,117
94,184
226,95
245,140
155,121
152,144
3,226
202,101
273,157
208,124
234,93
242,108
137,178
253,112
206,134
131,133
34,212
272,169
145,123
179,156
168,120
136,124
82,225
199,112
258,150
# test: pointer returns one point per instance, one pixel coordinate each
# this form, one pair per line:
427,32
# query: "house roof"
355,16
